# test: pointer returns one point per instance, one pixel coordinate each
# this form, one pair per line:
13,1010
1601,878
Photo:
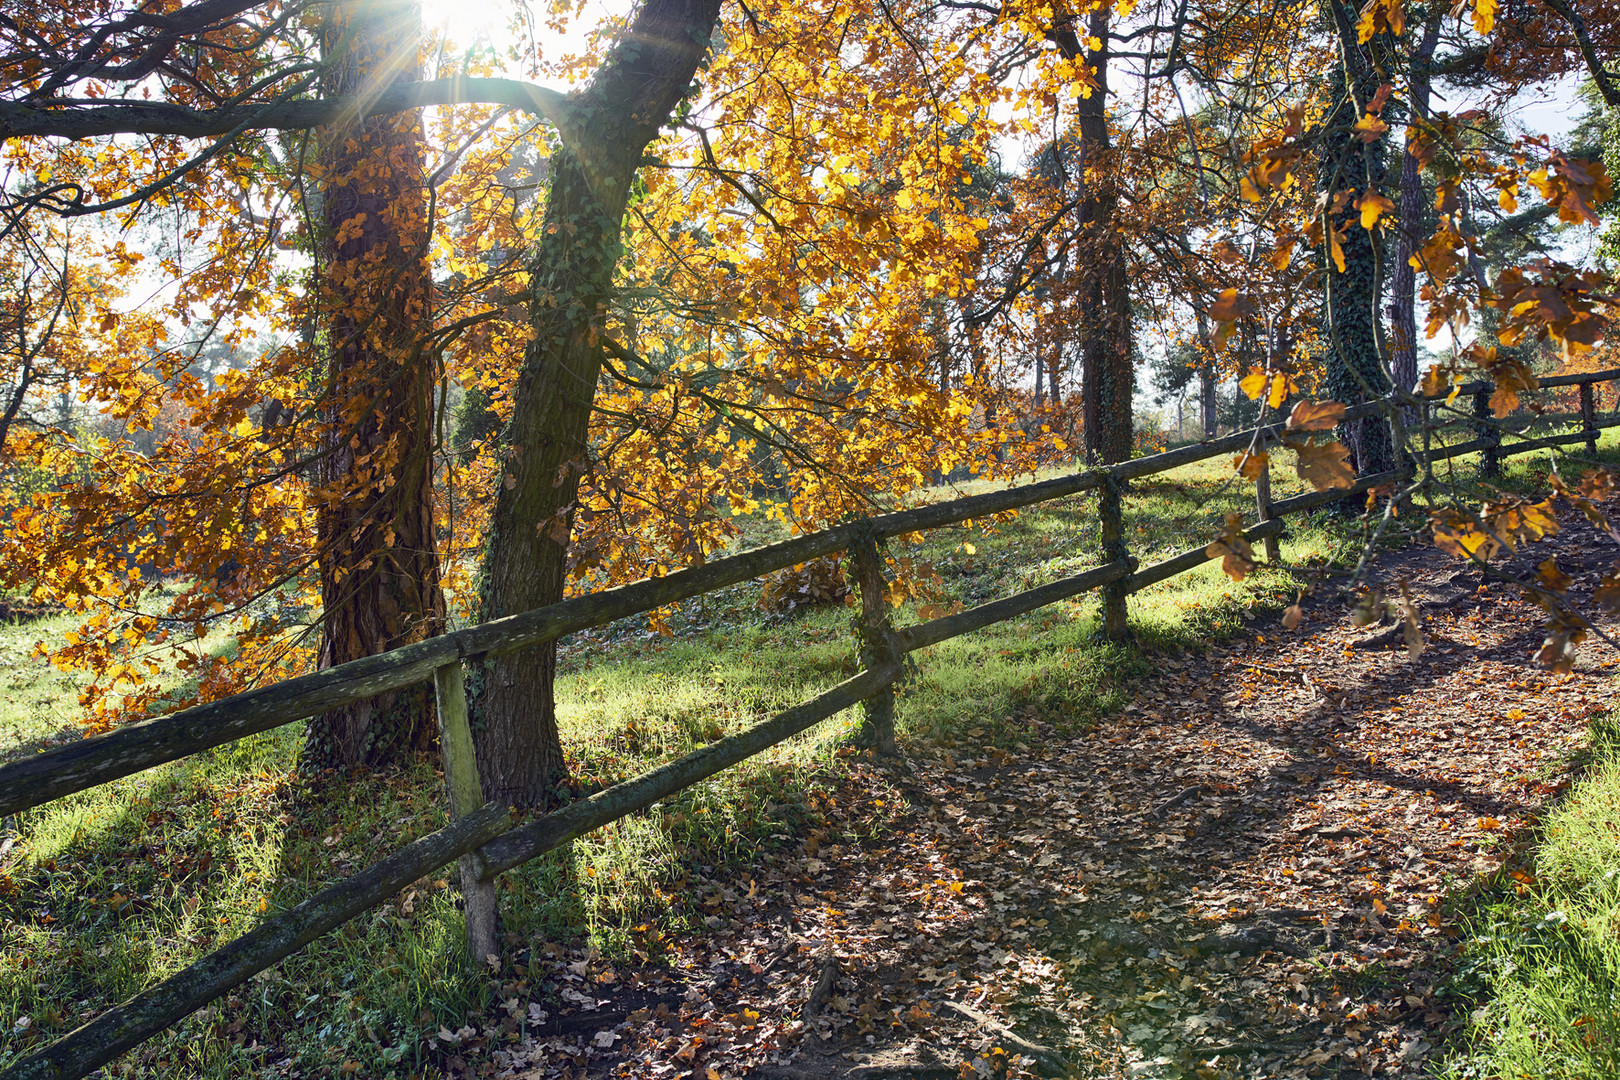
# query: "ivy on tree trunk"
545,448
1355,370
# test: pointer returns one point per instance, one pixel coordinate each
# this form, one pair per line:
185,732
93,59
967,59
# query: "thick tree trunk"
1107,369
1109,374
1355,369
1403,286
378,566
546,446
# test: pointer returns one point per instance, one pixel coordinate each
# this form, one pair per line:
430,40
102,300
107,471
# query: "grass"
1541,960
106,892
36,702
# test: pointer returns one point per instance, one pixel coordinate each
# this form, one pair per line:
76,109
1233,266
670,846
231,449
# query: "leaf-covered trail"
1242,875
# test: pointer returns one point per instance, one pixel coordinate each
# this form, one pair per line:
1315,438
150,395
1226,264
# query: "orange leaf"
1370,129
1251,466
1325,466
1373,206
1235,553
1315,415
1336,249
1230,306
1552,577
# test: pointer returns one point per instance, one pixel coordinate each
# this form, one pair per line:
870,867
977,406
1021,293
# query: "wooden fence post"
1262,505
875,650
466,796
1111,510
1490,461
1589,417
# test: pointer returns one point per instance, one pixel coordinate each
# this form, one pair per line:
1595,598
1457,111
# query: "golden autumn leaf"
1607,593
1324,466
1230,305
1485,15
1369,128
1552,576
1373,206
1521,521
1251,466
1597,484
1235,552
1292,617
1435,381
1315,415
1274,386
1458,535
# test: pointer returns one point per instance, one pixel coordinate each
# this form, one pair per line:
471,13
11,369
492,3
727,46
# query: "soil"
1253,871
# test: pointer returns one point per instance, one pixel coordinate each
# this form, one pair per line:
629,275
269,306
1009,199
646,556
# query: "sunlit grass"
1541,961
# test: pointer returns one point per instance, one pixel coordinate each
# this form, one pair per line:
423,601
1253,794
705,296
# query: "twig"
1174,801
1246,1048
1380,639
823,988
1050,1061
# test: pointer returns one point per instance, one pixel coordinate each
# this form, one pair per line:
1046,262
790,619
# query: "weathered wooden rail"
486,840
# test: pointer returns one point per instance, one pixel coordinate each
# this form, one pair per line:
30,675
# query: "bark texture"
1403,284
378,565
607,129
1107,368
1355,368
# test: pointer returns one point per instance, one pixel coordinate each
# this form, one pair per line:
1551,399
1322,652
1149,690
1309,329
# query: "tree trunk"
1208,403
1355,369
1107,370
1403,286
546,446
378,567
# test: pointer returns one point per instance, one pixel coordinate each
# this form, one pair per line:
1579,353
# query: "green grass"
1541,959
108,891
36,702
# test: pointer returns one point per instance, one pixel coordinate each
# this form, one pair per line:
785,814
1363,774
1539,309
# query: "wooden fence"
486,840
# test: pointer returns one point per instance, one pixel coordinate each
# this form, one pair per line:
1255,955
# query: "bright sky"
464,21
467,22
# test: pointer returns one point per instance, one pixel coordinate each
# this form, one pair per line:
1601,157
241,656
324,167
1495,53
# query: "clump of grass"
1541,961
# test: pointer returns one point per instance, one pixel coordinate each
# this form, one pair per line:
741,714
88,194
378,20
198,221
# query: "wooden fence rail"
487,840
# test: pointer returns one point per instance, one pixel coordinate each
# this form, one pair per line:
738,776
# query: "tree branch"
166,118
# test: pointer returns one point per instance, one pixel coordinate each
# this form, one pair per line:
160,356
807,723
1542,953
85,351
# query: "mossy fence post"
1490,460
466,796
1111,512
873,630
1589,417
1262,510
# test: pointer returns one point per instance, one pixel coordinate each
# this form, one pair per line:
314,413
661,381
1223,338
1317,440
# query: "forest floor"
1258,868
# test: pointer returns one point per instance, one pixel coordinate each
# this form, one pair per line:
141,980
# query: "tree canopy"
344,329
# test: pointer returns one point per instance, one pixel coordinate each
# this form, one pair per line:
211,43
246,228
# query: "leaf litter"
1250,871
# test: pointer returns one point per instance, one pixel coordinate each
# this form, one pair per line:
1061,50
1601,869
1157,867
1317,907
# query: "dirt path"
1242,875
